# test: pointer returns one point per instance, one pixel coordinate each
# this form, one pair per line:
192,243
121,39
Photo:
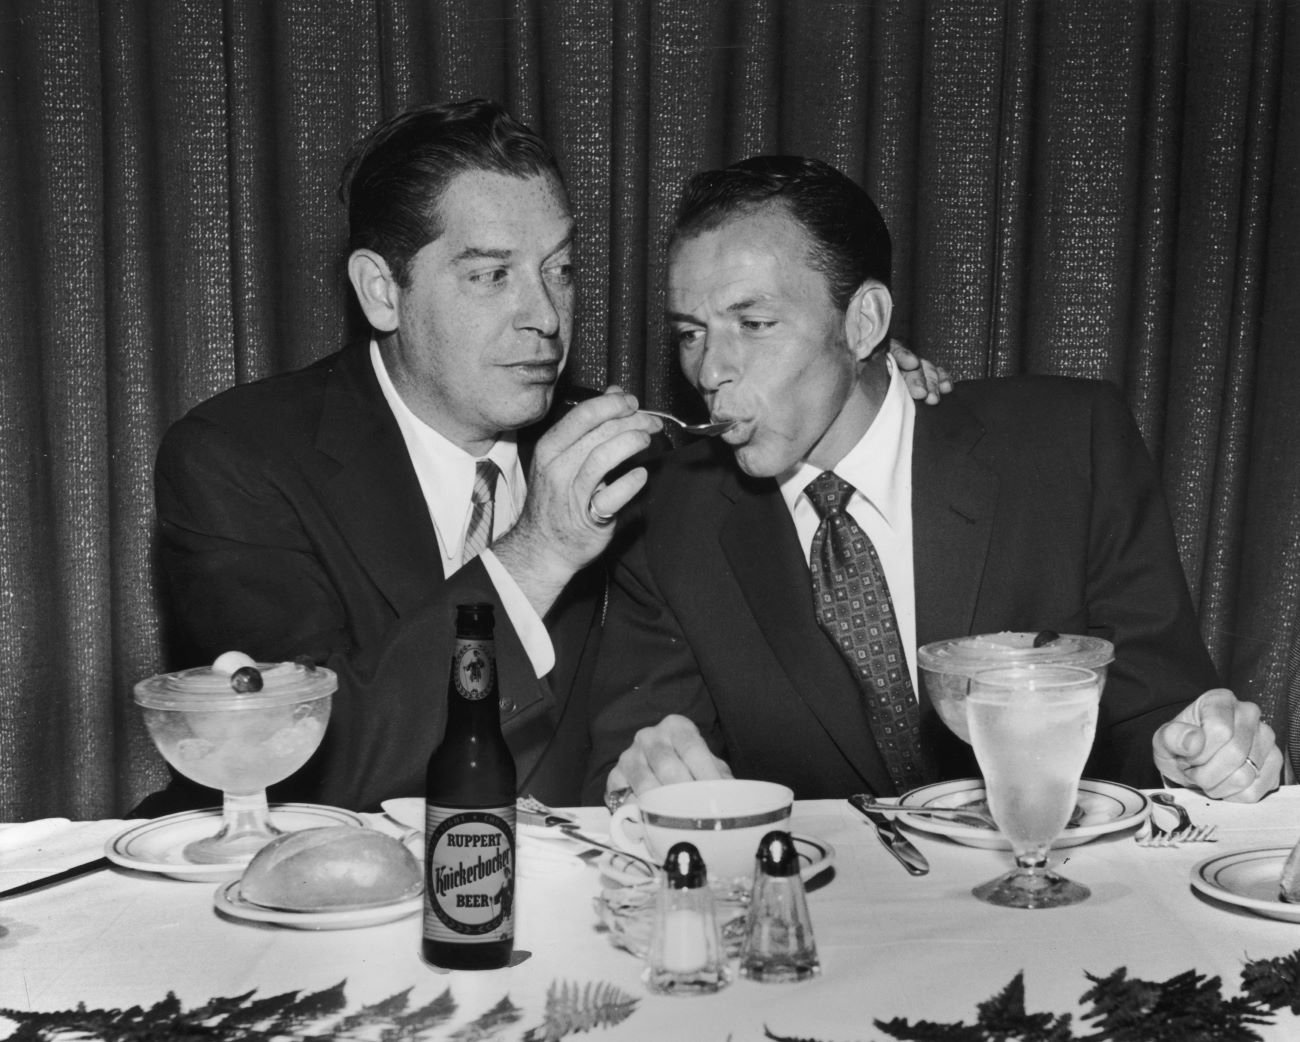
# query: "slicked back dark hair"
395,176
850,243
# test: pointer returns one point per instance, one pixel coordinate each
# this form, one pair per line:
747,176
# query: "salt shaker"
686,954
778,943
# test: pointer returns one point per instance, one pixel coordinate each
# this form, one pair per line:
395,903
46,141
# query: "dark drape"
1104,188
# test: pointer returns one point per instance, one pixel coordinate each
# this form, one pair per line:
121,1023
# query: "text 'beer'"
469,813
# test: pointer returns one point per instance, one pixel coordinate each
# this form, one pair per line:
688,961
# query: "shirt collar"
446,469
876,466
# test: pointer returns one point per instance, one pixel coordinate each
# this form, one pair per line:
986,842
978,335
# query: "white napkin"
30,835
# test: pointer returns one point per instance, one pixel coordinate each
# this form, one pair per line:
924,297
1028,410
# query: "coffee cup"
724,818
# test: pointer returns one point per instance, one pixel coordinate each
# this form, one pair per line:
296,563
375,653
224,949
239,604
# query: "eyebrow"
731,309
473,253
476,253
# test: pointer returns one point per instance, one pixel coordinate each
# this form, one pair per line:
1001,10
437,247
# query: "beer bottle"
469,813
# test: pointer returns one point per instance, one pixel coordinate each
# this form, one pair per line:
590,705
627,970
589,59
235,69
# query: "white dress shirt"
446,475
879,466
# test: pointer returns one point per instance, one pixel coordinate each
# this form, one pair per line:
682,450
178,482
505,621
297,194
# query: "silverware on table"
1186,831
533,811
891,837
961,815
57,877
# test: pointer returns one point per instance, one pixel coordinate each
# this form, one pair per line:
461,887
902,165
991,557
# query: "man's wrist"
536,570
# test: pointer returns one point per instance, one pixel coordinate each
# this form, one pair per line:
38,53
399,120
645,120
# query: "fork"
575,395
1152,834
554,819
1185,831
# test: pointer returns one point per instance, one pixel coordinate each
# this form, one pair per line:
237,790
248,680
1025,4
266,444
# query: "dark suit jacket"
1035,506
292,523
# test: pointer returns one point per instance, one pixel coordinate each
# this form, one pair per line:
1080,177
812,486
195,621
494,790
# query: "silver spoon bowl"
574,395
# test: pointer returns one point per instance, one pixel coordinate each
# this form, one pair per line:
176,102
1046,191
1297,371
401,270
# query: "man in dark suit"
329,512
1025,504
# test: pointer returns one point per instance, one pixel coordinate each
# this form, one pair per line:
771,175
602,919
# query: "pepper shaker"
686,954
778,943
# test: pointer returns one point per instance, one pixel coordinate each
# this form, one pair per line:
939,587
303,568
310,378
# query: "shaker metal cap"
684,868
777,855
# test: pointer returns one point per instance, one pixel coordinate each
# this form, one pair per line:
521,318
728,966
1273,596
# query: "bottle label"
469,885
473,668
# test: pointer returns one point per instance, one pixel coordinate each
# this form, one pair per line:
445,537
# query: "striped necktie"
854,608
482,498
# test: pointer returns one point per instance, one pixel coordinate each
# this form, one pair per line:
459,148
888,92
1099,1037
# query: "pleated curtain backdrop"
1100,188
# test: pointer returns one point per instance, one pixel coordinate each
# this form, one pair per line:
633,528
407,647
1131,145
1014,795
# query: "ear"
866,323
377,291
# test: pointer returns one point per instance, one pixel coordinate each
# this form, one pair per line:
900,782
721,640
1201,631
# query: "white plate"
1249,879
408,811
1107,807
229,901
815,855
156,845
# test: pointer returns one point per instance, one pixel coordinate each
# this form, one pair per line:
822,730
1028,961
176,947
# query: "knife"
58,877
892,838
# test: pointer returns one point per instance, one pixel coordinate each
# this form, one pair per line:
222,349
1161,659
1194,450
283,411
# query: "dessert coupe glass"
238,734
947,666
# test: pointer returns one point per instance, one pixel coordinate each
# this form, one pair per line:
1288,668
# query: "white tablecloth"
891,945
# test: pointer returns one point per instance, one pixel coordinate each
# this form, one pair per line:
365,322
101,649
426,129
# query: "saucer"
1249,879
1107,807
156,845
230,902
815,856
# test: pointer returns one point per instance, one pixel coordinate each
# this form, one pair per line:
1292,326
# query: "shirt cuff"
528,625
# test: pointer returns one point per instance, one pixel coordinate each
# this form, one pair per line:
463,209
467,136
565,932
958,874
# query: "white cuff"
527,623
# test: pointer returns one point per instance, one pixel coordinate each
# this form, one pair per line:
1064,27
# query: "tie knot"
829,494
485,481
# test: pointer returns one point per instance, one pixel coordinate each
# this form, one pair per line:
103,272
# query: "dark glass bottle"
469,813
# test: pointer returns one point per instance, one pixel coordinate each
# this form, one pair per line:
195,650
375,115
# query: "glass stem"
245,814
1034,860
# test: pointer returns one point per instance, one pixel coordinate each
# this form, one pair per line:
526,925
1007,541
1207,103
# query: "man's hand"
924,379
671,751
567,518
1220,745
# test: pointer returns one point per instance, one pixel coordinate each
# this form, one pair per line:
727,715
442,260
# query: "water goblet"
238,732
1032,728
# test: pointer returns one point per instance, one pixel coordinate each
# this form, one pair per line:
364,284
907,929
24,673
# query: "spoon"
574,395
538,813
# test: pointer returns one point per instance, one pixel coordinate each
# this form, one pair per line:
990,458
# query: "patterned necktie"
854,608
479,533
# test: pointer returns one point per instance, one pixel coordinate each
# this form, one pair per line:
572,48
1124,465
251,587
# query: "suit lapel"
759,540
374,495
953,500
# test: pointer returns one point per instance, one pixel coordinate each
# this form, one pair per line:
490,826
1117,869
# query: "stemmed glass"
1032,728
238,732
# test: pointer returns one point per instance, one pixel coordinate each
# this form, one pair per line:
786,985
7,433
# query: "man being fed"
1015,504
341,512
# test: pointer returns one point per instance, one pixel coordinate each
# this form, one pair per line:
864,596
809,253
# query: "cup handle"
625,813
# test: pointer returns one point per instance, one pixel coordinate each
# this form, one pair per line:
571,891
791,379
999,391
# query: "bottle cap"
475,616
777,855
684,868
